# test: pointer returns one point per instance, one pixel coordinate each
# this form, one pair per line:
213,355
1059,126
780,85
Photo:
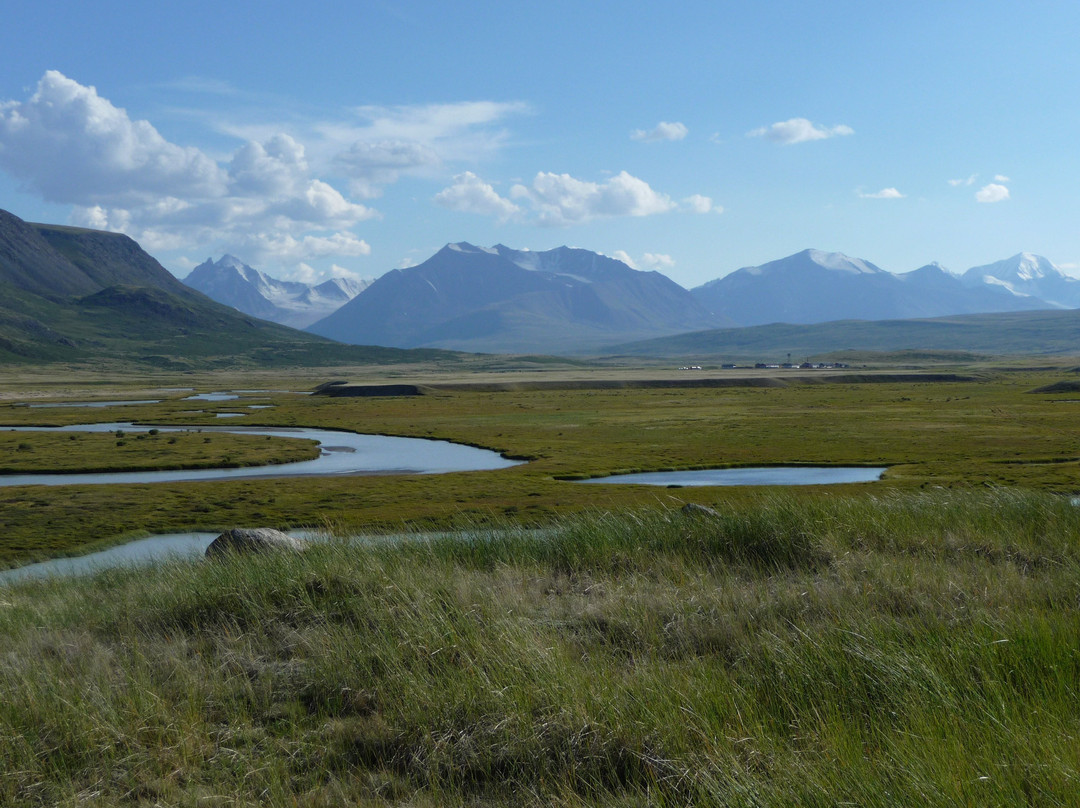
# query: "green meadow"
152,450
517,638
982,427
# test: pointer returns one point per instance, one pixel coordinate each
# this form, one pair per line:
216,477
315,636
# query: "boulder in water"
253,540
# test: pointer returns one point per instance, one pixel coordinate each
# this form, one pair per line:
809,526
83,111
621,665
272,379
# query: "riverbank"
142,449
892,650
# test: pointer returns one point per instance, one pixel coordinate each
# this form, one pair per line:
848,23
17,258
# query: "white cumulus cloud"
662,131
560,199
344,272
304,273
884,193
647,261
701,204
992,193
657,261
71,145
799,130
470,194
273,168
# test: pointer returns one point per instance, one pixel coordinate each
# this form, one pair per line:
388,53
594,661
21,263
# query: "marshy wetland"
985,429
905,641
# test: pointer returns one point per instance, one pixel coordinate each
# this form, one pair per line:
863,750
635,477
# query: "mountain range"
498,299
71,294
567,300
232,282
75,295
813,286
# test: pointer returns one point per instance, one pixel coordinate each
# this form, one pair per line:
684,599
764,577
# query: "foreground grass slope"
906,649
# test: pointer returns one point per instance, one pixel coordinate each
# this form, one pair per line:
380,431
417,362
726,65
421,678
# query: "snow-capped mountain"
232,282
1028,275
505,300
813,286
807,287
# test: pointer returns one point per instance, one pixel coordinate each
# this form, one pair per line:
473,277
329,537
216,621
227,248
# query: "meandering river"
767,475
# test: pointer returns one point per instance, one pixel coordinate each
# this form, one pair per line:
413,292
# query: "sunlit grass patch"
905,649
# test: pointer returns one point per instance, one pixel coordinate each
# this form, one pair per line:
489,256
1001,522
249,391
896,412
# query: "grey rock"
253,540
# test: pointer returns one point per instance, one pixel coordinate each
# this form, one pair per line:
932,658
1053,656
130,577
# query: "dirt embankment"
349,390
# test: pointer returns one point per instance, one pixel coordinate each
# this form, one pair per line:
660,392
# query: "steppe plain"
934,426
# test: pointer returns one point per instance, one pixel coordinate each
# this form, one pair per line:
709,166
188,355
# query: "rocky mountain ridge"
813,286
70,294
293,303
497,299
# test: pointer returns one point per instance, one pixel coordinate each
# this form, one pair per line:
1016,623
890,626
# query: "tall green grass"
917,649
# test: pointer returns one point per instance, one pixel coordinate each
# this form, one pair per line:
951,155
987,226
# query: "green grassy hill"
73,295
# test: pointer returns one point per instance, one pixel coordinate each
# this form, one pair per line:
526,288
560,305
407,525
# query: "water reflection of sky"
212,397
778,475
178,546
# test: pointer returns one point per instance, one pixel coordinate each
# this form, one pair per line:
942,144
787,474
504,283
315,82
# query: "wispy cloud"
662,131
964,182
884,193
372,147
379,144
200,85
371,166
799,130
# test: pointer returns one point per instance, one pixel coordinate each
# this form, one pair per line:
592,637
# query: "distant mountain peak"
466,247
1030,266
815,286
841,262
501,299
229,260
1027,272
931,269
805,260
232,282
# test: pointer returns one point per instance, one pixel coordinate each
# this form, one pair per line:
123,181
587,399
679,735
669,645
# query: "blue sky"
693,138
